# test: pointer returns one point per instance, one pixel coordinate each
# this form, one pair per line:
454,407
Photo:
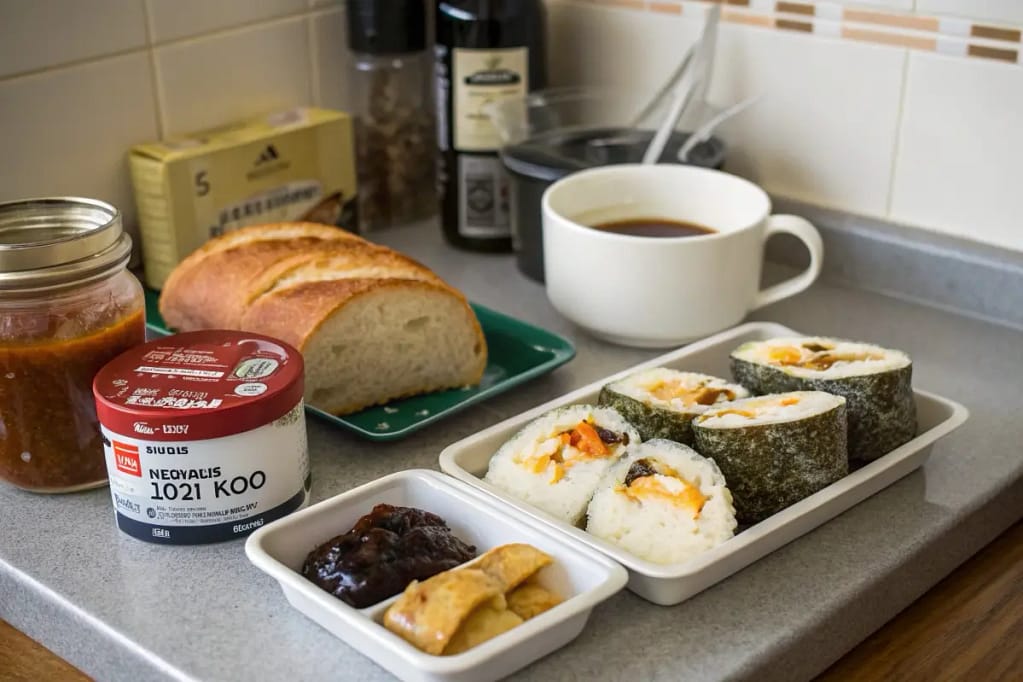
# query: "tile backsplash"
76,94
886,110
903,110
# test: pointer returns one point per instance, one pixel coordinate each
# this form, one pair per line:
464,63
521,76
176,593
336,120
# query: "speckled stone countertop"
123,610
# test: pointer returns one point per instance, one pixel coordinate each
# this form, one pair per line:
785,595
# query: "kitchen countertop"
121,609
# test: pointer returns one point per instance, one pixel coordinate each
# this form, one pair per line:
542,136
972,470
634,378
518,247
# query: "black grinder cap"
386,26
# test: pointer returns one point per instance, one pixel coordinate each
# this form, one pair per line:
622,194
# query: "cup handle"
808,234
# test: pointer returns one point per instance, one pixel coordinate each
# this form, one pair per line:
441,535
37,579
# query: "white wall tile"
591,45
222,78
67,132
38,33
825,131
992,10
173,19
332,58
960,149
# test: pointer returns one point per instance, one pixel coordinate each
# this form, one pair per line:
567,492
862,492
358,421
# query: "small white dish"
581,575
669,584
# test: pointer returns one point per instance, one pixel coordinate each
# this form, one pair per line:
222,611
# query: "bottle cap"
386,26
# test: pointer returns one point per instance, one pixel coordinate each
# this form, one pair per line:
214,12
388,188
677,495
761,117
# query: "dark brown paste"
49,434
385,551
639,469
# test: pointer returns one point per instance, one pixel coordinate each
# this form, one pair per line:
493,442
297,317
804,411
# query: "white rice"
656,528
769,409
851,359
566,499
642,386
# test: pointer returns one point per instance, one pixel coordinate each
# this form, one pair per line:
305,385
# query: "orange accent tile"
866,16
621,4
747,19
794,8
789,25
1011,35
665,8
885,38
993,53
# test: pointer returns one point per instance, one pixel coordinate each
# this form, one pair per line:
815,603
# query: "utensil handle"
806,233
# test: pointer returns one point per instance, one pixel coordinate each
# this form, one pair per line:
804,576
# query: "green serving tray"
517,352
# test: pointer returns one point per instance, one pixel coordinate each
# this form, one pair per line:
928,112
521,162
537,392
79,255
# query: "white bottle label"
479,77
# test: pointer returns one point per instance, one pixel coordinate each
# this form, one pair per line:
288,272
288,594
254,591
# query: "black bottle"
486,50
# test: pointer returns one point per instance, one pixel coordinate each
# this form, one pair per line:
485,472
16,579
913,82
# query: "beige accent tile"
665,8
226,77
68,131
332,58
960,146
992,10
174,19
890,38
749,19
35,34
908,21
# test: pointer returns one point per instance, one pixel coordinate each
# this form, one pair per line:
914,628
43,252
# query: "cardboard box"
294,165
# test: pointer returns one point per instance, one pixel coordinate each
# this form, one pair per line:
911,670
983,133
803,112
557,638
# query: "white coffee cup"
656,292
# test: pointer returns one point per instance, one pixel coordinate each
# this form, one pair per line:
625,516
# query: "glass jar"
390,97
68,305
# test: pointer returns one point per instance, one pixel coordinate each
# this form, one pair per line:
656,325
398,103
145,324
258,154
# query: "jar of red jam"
67,306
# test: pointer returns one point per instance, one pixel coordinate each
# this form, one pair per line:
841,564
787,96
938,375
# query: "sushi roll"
557,460
774,450
664,503
662,402
876,382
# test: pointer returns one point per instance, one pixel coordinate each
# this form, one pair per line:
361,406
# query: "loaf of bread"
372,324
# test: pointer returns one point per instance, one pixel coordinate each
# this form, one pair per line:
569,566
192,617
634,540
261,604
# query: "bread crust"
287,279
206,289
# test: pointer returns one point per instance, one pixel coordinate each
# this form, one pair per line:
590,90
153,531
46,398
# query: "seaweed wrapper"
651,421
881,409
769,467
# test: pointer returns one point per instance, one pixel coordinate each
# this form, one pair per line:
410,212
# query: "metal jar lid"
59,240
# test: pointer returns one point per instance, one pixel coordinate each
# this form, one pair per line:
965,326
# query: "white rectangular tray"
580,574
669,584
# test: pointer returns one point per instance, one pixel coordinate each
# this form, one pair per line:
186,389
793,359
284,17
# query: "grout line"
312,49
84,61
237,28
161,125
897,147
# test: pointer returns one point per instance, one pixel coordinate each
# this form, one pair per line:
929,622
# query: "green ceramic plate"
517,352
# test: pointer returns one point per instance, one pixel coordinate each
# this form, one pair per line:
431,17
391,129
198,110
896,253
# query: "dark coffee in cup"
655,227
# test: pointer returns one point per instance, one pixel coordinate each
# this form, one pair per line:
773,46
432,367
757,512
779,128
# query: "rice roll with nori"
774,450
557,460
664,503
876,382
662,402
